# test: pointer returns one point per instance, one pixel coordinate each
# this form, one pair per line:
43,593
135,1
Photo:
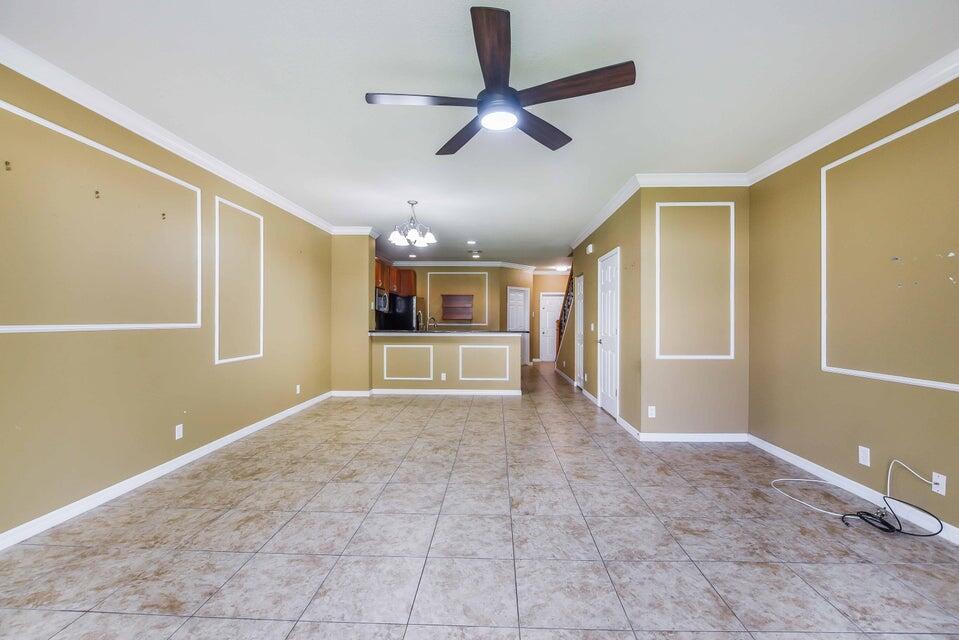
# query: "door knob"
600,340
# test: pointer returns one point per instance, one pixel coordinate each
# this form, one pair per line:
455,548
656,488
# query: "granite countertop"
446,334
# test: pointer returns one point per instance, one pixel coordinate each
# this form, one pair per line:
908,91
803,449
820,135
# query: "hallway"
426,517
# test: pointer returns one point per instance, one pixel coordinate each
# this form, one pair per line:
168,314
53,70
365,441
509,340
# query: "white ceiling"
275,89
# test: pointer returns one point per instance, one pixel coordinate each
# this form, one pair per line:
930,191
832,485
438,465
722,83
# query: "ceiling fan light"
499,120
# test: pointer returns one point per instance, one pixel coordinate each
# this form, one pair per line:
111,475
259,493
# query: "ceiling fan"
500,106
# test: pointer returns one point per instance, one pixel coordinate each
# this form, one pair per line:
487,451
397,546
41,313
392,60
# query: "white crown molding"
550,272
915,86
39,70
462,263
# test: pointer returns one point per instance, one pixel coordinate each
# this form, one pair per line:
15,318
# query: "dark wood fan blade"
542,131
581,84
408,99
491,32
462,136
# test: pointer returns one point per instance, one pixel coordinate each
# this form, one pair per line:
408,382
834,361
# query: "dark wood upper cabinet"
406,285
393,279
457,307
399,281
380,274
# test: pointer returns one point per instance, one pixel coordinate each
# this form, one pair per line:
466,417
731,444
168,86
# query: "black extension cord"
879,521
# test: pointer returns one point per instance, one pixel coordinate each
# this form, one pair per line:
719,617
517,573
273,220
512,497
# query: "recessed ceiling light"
476,255
471,242
412,255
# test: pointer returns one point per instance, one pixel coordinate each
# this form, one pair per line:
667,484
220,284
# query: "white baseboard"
949,532
364,393
630,429
566,377
590,396
646,436
446,392
44,522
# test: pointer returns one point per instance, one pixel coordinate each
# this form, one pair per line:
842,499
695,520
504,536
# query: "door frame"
579,349
524,341
599,324
550,294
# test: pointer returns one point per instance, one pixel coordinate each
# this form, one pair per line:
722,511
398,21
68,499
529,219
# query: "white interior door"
608,383
580,324
550,305
517,316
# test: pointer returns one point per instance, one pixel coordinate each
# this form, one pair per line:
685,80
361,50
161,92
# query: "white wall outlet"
585,377
297,389
443,376
592,326
589,248
938,483
864,456
651,411
178,432
564,364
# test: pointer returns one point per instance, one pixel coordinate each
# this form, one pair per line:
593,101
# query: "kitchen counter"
446,362
452,334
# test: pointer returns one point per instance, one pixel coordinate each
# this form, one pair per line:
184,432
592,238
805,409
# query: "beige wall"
825,416
702,395
542,284
691,396
420,362
352,284
83,410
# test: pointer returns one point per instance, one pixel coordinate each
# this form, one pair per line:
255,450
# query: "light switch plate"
651,411
297,389
864,456
443,376
178,432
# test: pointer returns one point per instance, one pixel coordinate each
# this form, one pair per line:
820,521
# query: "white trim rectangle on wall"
58,328
824,315
731,355
485,275
387,347
485,346
216,282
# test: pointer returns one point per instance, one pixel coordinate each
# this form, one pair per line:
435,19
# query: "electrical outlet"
864,456
585,377
178,432
592,326
443,376
297,389
938,483
651,411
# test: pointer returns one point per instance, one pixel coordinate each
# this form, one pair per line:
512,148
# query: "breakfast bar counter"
446,362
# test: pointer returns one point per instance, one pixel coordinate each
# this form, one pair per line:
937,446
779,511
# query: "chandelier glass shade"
412,232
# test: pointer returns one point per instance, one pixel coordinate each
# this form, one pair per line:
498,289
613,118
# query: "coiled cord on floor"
878,519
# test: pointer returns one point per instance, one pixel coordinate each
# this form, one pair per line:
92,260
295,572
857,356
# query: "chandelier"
412,232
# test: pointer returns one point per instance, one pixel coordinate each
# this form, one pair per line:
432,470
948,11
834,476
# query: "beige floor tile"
771,597
670,596
345,497
575,634
270,586
346,631
411,498
365,589
553,538
315,532
539,500
610,500
477,499
458,591
176,585
280,496
415,632
213,629
634,538
465,536
586,601
237,530
390,534
19,624
719,540
120,626
875,600
938,582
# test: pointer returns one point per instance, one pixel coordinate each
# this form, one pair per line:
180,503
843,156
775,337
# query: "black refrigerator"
399,316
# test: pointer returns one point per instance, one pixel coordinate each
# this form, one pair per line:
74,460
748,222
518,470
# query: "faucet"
431,323
419,320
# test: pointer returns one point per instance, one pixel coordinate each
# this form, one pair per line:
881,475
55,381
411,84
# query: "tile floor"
472,518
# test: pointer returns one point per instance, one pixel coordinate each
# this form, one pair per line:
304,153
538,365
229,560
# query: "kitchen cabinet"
389,278
393,279
406,282
380,277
